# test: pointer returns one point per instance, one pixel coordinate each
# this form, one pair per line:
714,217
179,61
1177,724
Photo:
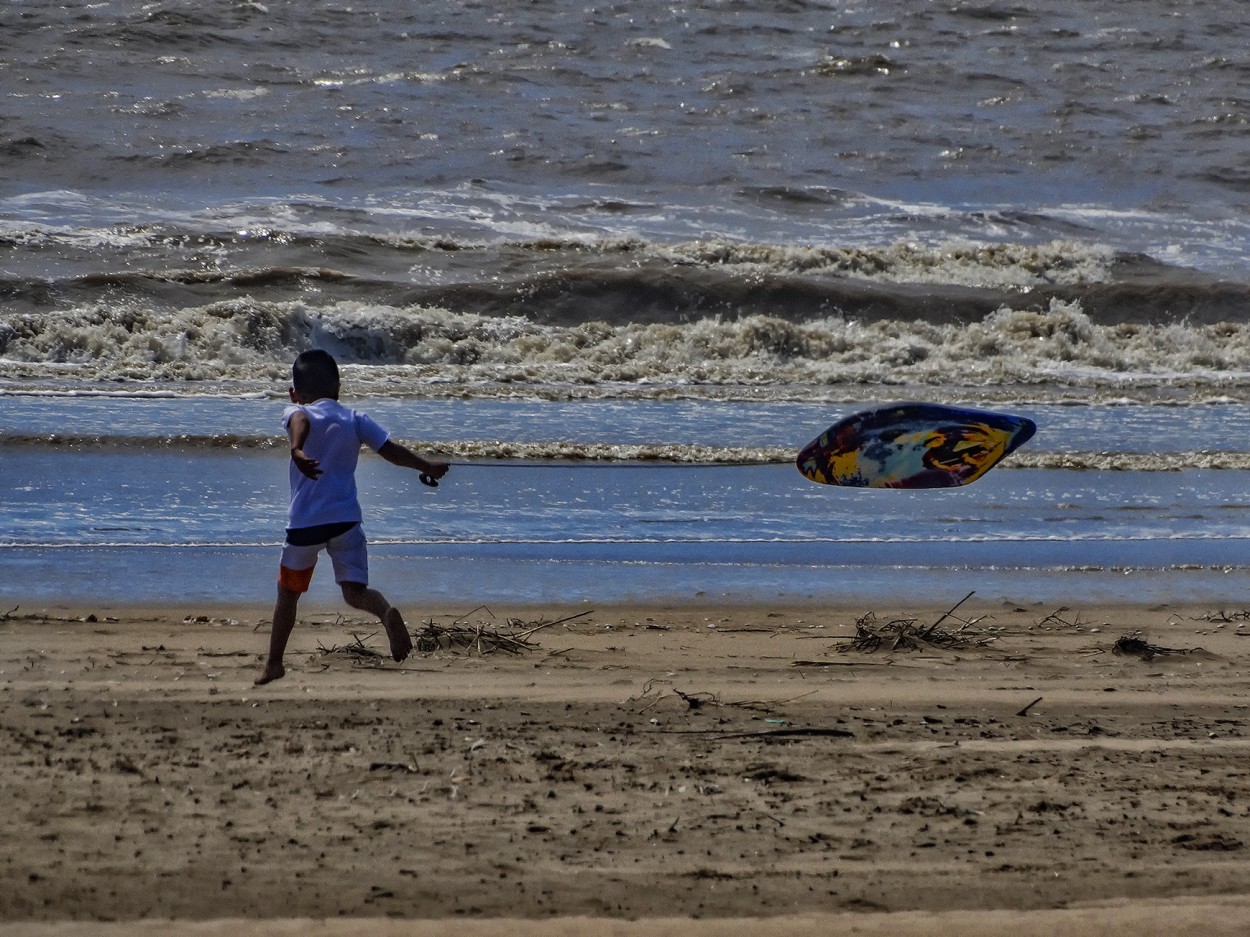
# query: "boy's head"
314,375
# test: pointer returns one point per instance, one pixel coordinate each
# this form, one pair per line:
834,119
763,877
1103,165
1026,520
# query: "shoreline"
627,769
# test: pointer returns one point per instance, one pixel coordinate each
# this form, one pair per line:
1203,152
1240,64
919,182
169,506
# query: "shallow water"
128,507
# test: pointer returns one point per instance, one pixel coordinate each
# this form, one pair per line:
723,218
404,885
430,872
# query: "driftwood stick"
792,733
547,624
949,611
1025,711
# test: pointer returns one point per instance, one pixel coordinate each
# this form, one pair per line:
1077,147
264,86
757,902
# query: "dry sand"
683,770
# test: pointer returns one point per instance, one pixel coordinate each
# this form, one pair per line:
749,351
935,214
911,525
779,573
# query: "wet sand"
627,770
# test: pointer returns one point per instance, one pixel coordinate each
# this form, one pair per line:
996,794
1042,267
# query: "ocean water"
619,262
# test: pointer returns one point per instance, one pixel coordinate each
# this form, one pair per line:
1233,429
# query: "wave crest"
251,340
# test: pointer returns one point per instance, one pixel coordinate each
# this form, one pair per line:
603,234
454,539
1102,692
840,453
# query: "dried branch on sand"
479,639
459,636
1133,645
906,634
1224,617
482,638
356,651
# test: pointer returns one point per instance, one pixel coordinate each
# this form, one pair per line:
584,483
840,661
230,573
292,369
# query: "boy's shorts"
348,552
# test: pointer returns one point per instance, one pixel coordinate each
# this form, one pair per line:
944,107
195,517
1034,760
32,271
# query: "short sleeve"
370,431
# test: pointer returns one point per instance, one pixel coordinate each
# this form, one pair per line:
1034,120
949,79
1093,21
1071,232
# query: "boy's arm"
404,457
297,429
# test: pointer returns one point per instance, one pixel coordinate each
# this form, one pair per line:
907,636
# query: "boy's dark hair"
315,374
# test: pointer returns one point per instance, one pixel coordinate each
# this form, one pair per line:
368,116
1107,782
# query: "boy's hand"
431,472
404,457
309,468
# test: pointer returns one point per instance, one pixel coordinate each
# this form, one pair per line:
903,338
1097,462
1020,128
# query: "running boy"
325,439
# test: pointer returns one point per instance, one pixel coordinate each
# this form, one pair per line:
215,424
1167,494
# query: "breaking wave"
411,347
624,316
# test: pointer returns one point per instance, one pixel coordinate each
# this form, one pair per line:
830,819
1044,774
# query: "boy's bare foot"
397,634
269,675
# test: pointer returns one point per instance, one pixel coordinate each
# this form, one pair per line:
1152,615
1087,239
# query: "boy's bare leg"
362,597
283,624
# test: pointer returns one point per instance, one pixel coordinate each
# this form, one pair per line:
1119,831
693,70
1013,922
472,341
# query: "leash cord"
433,482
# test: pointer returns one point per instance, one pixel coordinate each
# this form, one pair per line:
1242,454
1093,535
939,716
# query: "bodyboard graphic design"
913,445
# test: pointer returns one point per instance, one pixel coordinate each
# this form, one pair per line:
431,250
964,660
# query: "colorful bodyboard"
913,445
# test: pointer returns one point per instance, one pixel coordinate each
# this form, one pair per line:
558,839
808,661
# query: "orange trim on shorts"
295,580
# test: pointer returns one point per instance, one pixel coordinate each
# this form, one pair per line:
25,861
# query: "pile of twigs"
357,650
907,634
1224,617
482,638
514,637
1133,645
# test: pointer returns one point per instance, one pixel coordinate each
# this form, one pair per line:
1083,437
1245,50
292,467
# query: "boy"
325,439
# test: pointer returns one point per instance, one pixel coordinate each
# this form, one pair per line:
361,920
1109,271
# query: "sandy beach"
628,770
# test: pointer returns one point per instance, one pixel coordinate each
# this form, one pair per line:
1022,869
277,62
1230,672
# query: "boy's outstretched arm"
404,457
297,429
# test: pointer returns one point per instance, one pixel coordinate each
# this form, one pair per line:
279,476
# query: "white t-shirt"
334,440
